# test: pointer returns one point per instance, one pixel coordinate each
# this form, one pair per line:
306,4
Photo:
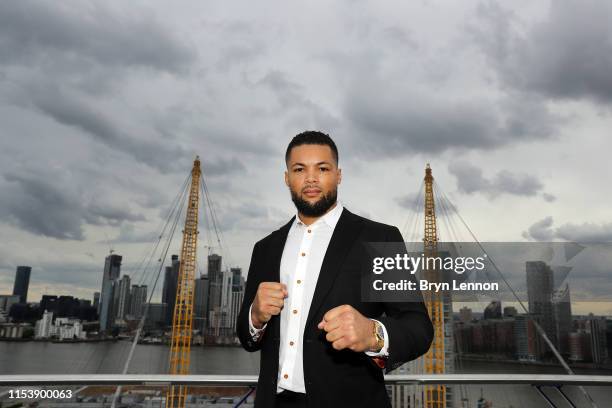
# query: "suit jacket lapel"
342,240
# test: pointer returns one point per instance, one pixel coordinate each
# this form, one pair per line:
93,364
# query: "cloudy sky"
103,107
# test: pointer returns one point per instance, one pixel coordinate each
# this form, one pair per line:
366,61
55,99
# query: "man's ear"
286,178
339,175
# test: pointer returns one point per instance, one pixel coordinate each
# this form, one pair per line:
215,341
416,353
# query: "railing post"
243,399
567,399
546,398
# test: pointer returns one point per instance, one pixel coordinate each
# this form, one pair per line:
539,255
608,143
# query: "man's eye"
297,170
323,169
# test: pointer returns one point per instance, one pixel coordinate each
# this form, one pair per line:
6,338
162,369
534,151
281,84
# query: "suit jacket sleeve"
253,280
408,324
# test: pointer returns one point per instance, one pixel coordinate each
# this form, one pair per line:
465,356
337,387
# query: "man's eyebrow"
317,164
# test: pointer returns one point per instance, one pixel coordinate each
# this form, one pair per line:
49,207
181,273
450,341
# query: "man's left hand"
347,328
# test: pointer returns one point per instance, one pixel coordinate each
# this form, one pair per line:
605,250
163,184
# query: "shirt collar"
330,218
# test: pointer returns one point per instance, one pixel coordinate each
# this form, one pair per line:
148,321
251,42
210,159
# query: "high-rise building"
6,301
493,310
234,309
170,287
48,302
67,306
540,288
155,315
215,282
112,270
226,289
138,298
525,338
22,282
96,300
579,347
510,311
200,301
43,326
236,279
563,318
236,297
596,327
465,314
122,297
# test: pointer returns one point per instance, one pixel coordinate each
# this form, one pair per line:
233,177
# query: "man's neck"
309,220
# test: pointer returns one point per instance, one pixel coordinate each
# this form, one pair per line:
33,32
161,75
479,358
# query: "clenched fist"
347,328
268,302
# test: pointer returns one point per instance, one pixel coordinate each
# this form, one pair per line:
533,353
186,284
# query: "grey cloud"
32,31
391,120
251,216
234,43
49,210
409,201
129,234
72,111
241,142
237,54
110,215
400,36
567,55
421,109
49,205
587,232
224,137
286,90
540,230
470,180
516,184
222,166
292,96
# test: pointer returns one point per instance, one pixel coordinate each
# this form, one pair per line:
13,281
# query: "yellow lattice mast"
435,395
183,309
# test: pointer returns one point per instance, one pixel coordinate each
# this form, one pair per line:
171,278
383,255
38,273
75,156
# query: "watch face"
379,331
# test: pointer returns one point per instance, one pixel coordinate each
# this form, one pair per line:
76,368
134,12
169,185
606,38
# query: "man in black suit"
322,344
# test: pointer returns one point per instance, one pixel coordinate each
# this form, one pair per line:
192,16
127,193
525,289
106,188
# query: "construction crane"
183,309
434,359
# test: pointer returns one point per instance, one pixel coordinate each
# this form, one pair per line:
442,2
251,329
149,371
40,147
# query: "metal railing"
556,381
251,380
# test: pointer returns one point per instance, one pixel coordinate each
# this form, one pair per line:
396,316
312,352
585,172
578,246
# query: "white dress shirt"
301,262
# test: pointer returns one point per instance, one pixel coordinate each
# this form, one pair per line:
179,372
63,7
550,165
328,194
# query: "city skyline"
98,135
218,297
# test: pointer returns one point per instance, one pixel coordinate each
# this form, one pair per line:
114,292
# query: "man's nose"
312,176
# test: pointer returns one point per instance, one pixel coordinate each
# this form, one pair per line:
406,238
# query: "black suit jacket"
334,378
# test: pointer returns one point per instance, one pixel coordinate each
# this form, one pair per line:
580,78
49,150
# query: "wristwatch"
379,334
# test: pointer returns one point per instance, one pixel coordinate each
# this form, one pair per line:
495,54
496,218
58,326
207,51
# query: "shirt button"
299,281
303,253
309,231
286,376
291,343
294,311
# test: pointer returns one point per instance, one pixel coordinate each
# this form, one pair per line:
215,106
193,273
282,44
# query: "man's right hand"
268,302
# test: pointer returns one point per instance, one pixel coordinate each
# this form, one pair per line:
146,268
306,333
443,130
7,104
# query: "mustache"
309,187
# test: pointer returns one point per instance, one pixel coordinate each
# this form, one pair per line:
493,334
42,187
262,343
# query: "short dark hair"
312,137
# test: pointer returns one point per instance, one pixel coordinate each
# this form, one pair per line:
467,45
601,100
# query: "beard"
317,208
